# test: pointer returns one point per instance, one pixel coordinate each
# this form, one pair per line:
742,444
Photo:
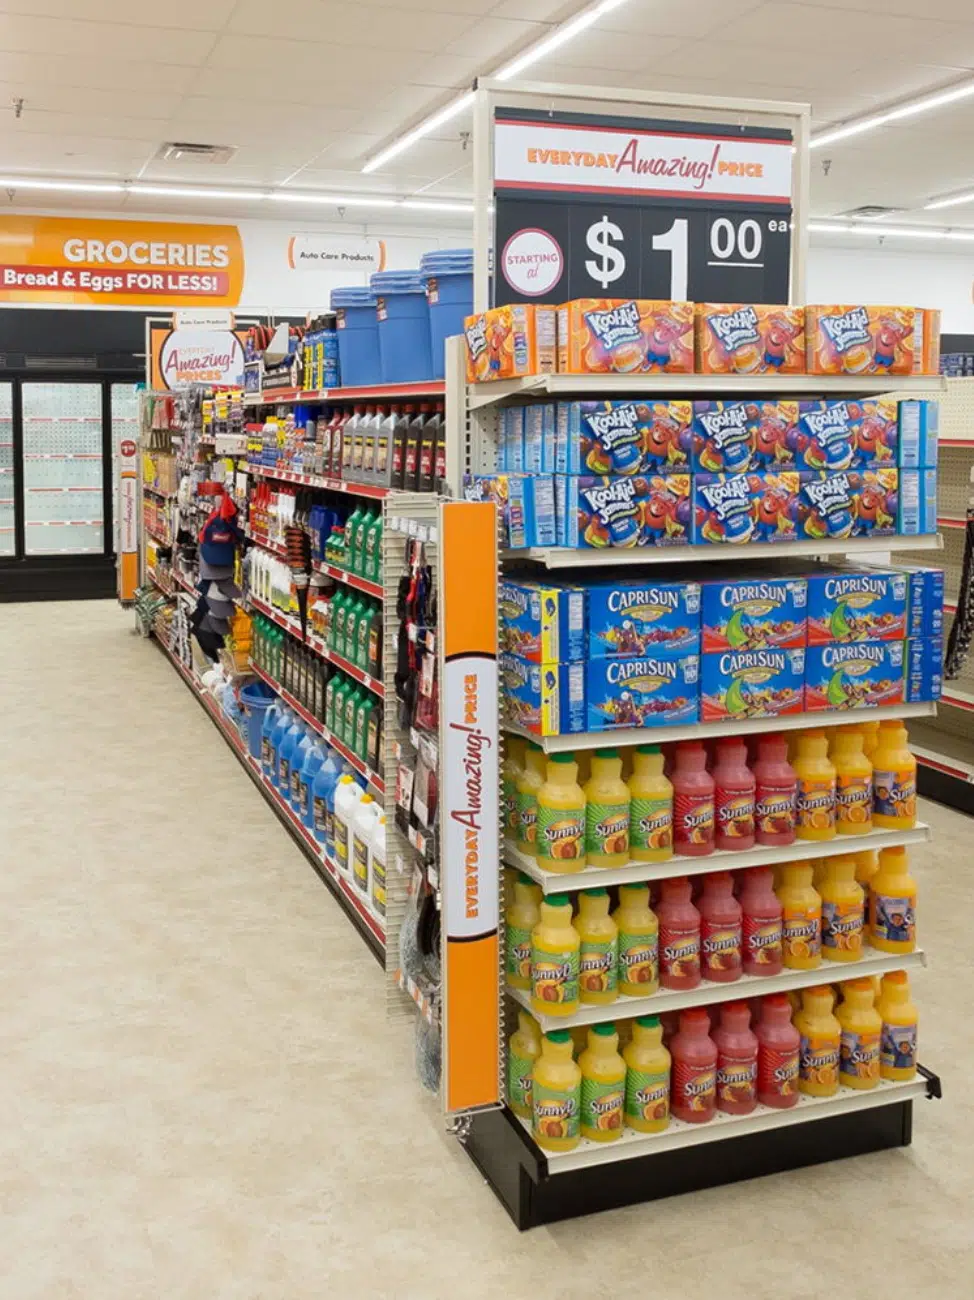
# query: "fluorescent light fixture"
556,39
890,232
177,192
431,205
333,200
954,202
911,108
72,187
426,127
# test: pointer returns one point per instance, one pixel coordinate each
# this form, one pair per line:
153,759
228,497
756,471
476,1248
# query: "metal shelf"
373,589
563,557
318,481
316,644
377,392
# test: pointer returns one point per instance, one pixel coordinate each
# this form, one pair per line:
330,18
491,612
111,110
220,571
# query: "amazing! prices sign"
50,260
179,357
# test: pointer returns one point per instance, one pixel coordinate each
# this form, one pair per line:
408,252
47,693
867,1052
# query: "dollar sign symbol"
612,262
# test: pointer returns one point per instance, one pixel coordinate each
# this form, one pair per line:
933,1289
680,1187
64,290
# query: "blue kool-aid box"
924,669
919,428
848,503
631,437
723,437
759,506
739,684
867,605
544,699
917,502
652,691
753,613
541,622
847,434
623,511
629,620
526,504
539,438
861,675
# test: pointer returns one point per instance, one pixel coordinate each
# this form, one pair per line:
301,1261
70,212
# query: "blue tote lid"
447,261
386,282
353,296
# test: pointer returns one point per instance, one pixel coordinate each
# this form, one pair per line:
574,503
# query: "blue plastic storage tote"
404,326
256,700
448,274
358,337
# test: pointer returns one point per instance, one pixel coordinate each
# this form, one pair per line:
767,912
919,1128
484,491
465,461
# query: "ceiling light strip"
898,113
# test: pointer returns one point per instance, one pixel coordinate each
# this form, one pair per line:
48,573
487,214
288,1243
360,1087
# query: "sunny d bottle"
693,801
761,952
511,770
648,1067
870,738
523,1050
894,779
607,801
598,956
694,1094
721,926
778,1048
528,784
638,942
554,959
737,1060
561,817
867,864
775,792
521,918
650,808
853,783
734,795
815,799
603,1085
893,904
556,1094
898,1042
801,917
842,910
862,1028
679,936
818,1049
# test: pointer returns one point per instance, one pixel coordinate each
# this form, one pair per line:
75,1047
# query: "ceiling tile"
27,70
297,61
448,70
56,97
493,38
609,50
334,23
115,41
689,21
192,15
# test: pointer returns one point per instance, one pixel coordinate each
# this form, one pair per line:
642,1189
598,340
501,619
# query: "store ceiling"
309,89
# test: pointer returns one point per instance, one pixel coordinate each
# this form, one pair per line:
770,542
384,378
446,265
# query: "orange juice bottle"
523,1050
651,807
603,1085
862,1028
598,960
853,783
870,737
867,864
510,772
556,1094
606,812
818,1052
521,918
648,1065
638,942
624,1030
842,911
898,1044
561,817
528,784
894,779
801,917
815,804
893,904
554,959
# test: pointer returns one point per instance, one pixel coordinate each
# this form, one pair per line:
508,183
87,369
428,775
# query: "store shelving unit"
560,557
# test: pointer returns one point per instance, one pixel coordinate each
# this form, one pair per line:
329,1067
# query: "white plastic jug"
378,872
367,816
347,796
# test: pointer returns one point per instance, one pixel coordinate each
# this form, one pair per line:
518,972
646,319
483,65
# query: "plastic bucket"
358,337
404,327
256,699
448,275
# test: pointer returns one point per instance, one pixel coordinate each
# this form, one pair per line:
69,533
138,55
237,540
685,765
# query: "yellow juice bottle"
603,1085
521,917
523,1050
818,1052
801,917
556,1094
648,1066
894,779
579,1035
624,1030
598,959
862,1027
510,773
561,817
528,784
584,760
893,904
606,812
853,783
651,807
867,864
898,1044
870,737
842,911
815,805
638,942
554,959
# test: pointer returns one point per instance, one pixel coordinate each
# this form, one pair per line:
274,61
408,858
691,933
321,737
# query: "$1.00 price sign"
585,210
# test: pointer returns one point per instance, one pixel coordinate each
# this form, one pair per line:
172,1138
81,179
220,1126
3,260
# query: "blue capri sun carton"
544,699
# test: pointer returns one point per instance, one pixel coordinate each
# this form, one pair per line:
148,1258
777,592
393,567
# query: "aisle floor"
204,1100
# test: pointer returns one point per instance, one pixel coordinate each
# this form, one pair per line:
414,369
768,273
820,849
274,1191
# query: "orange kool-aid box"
926,359
508,342
747,339
861,340
625,336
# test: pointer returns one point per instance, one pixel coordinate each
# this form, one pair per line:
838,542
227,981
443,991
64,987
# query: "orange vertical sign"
469,808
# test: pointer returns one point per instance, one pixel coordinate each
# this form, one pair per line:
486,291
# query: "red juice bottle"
775,793
694,1088
778,1044
720,929
762,952
734,787
679,936
693,801
737,1060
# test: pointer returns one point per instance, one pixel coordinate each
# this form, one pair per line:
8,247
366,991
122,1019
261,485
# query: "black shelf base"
942,787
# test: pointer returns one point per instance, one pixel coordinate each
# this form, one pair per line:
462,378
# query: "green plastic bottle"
351,525
342,691
362,716
362,633
352,701
336,627
356,612
372,568
365,522
329,714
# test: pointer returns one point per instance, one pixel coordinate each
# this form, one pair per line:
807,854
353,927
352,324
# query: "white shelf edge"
555,882
564,557
707,994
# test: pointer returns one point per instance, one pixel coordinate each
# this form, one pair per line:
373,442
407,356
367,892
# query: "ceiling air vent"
183,151
869,212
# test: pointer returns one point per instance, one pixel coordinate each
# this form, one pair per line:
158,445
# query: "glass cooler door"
8,527
63,469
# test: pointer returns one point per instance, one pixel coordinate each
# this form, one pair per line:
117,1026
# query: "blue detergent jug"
323,802
268,760
288,741
298,757
306,779
285,720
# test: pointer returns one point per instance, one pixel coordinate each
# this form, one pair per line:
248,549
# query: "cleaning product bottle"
346,797
322,822
734,790
511,769
720,929
737,1060
775,793
366,817
299,756
679,936
638,942
650,808
898,1043
693,801
762,925
555,945
694,1094
379,867
862,1028
603,1085
561,817
528,784
521,918
556,1094
842,910
853,783
648,1067
894,779
306,779
288,746
818,1049
801,908
523,1050
284,725
268,757
607,802
893,904
598,959
815,803
778,1047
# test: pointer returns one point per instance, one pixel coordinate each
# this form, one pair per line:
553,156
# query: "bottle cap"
647,749
561,758
599,892
648,1022
557,900
522,879
559,1036
606,753
604,1031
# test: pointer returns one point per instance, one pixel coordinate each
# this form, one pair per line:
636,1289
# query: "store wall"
896,274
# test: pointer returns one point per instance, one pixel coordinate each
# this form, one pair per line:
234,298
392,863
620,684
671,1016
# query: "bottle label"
638,958
693,819
818,1060
266,752
898,1047
341,843
330,823
360,863
735,813
602,1104
761,937
801,932
554,975
561,833
284,772
607,828
295,784
815,804
556,1111
774,809
895,794
647,1095
853,802
893,917
303,799
379,886
598,966
720,947
518,950
509,796
519,1080
842,926
737,1078
651,824
777,1072
694,1086
527,818
679,952
318,813
859,1054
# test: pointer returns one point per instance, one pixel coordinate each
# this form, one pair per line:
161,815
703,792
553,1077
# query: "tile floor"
202,1098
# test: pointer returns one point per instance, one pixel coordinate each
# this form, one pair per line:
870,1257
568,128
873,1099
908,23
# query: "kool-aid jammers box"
635,437
540,622
652,691
850,503
745,339
924,669
919,427
753,614
525,503
629,620
732,437
862,675
641,510
917,502
741,508
625,336
847,434
751,684
865,606
845,339
510,341
545,699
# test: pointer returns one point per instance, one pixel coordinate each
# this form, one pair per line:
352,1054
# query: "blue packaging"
867,605
919,427
847,434
512,438
849,503
639,510
917,502
526,505
539,438
924,669
545,699
864,674
403,316
633,437
654,691
733,509
358,336
925,607
541,622
739,684
628,620
733,437
753,614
